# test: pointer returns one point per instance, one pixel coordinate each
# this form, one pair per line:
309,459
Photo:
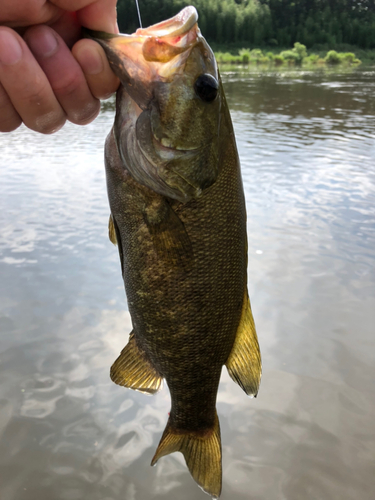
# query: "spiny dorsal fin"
112,231
202,454
244,362
132,369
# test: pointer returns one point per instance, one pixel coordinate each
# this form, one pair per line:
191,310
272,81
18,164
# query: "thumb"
100,15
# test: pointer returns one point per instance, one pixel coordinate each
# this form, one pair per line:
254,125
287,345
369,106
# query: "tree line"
266,22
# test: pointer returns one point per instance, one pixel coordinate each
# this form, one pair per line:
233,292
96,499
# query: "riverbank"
296,56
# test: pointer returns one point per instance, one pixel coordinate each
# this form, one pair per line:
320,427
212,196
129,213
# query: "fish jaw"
152,54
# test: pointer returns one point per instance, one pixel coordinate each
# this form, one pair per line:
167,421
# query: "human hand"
47,74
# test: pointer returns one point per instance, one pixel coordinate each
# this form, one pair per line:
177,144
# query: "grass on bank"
297,56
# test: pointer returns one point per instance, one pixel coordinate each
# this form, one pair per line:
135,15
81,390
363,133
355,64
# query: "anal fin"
244,362
132,369
202,453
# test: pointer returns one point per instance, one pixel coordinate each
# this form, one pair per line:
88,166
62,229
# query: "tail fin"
202,454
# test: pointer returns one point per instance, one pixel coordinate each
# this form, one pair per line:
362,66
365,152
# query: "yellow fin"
132,369
112,231
244,362
202,452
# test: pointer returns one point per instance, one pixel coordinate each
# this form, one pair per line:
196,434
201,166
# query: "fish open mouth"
130,55
175,27
170,38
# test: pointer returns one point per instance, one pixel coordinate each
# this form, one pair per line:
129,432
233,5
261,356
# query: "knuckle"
104,89
85,114
48,123
68,86
80,110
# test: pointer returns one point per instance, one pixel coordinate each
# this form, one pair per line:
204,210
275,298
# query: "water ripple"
306,142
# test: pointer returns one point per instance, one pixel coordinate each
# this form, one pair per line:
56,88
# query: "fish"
178,218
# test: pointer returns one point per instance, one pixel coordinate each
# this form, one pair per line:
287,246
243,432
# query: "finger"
20,13
100,15
94,63
27,86
64,74
68,27
9,118
96,15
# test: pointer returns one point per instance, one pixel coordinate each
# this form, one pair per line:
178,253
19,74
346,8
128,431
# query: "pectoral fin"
132,369
112,231
115,237
168,233
244,362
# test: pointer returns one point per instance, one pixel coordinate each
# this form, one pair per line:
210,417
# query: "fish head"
169,106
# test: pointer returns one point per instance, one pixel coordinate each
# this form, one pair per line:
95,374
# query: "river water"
307,148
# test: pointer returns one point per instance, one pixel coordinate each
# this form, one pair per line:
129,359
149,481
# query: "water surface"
307,148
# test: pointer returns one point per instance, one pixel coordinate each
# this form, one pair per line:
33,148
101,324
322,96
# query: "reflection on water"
307,147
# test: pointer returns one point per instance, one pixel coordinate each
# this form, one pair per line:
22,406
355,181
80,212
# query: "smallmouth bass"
178,217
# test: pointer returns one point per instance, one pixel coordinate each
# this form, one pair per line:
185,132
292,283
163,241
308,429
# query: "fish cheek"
181,121
196,172
179,118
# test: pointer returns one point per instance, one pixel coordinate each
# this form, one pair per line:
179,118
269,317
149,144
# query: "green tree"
259,21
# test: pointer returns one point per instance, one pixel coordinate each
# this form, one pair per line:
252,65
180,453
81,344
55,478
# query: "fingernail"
10,48
90,61
42,42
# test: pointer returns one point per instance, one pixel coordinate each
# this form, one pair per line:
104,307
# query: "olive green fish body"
185,313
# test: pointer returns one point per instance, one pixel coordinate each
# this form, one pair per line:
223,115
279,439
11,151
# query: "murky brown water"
307,145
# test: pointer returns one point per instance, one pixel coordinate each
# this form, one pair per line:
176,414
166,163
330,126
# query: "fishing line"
139,14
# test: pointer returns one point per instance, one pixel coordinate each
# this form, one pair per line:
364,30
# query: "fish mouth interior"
177,26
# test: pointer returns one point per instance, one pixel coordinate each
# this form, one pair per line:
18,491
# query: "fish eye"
206,87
